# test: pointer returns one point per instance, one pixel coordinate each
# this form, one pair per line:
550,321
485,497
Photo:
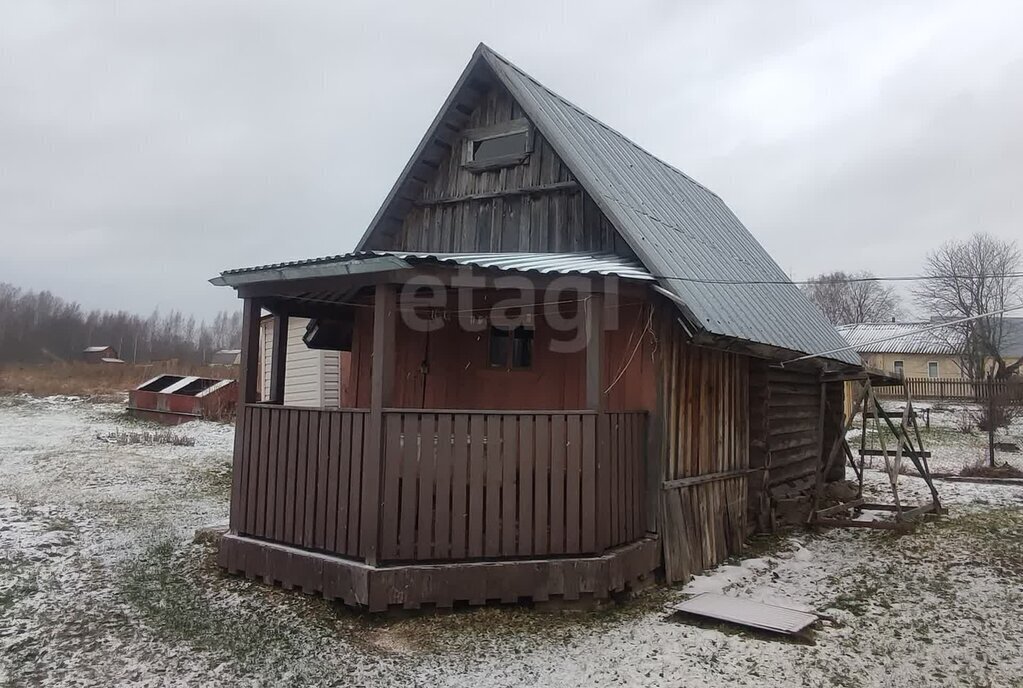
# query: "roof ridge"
488,50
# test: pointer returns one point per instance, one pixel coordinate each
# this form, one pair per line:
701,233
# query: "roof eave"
354,266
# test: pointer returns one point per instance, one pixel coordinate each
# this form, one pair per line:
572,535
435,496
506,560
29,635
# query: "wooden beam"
839,508
504,193
707,478
278,358
248,368
385,313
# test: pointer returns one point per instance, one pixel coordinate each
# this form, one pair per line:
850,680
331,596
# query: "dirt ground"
102,584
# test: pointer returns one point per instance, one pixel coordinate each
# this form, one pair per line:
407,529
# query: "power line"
851,280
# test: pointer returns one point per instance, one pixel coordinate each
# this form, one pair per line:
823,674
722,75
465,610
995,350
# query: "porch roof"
373,261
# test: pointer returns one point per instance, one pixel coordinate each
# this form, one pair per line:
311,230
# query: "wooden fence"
475,485
955,389
455,484
300,478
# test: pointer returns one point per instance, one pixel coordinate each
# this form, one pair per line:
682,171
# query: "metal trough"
174,399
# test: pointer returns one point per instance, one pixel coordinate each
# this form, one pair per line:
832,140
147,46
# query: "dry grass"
91,380
981,469
124,437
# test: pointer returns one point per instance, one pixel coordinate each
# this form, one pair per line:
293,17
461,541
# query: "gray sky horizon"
145,147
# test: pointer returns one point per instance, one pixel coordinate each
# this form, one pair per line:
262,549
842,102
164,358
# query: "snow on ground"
952,436
100,583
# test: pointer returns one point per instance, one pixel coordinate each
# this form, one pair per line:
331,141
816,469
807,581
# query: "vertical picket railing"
483,485
301,477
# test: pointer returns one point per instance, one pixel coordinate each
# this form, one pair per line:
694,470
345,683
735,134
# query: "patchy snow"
100,584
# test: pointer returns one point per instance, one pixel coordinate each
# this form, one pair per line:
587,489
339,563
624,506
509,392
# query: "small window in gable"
501,145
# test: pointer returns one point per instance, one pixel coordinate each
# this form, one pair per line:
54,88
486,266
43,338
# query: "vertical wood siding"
556,216
704,438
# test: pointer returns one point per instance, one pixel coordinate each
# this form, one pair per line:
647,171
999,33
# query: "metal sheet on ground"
766,617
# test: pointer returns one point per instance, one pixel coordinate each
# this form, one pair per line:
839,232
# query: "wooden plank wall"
478,485
794,440
533,206
301,477
703,397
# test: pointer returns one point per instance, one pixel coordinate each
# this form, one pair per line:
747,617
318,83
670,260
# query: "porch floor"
411,586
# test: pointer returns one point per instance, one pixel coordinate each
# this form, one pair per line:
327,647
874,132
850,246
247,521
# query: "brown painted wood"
274,457
541,484
359,459
263,438
301,476
291,473
391,489
381,386
526,468
573,485
589,528
509,484
494,475
280,499
278,358
559,461
442,489
427,477
322,479
460,486
409,486
477,485
337,463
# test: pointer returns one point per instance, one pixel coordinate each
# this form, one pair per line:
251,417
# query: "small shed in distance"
226,357
100,354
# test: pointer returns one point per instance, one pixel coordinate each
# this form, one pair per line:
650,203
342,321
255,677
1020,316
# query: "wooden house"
564,374
100,354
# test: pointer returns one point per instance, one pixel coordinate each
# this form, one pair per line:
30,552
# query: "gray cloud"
146,146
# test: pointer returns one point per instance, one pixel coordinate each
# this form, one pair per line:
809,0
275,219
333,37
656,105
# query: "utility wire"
921,330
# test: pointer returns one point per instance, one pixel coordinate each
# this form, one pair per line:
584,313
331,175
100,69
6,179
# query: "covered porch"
446,478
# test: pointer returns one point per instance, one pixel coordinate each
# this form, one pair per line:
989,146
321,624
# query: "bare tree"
846,298
969,278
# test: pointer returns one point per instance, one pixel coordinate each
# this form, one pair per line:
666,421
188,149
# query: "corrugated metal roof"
546,263
901,338
767,617
683,233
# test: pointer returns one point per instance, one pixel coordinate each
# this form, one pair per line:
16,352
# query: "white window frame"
937,370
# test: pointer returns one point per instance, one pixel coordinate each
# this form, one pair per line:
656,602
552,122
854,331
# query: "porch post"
601,427
278,359
384,314
247,378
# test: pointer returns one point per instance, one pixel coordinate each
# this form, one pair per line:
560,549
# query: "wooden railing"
300,478
955,388
454,484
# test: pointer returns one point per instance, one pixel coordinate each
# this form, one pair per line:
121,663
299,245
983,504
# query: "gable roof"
681,232
902,338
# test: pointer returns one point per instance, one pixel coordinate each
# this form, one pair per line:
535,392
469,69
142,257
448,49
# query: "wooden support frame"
278,359
247,389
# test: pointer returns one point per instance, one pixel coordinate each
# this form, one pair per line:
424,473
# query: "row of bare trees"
961,280
39,327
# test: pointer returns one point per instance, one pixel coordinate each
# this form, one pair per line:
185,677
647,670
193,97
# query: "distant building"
100,354
226,357
907,348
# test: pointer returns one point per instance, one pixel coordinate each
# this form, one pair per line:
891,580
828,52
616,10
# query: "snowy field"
101,584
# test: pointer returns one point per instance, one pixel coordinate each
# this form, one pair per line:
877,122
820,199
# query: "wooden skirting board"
378,588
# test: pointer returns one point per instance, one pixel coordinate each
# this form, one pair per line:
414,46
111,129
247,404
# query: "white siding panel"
311,377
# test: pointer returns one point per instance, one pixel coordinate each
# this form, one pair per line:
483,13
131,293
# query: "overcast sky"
145,146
